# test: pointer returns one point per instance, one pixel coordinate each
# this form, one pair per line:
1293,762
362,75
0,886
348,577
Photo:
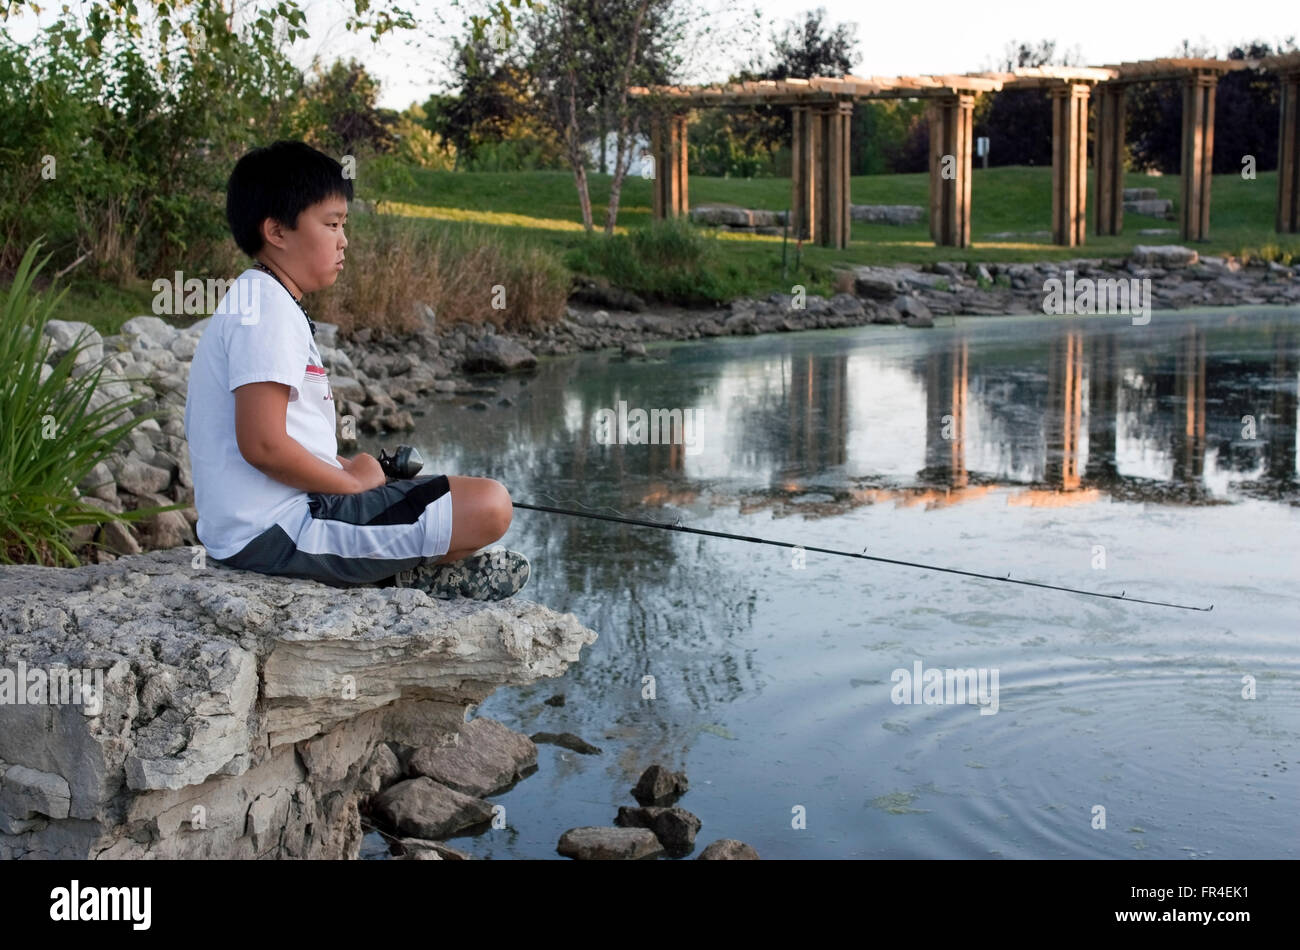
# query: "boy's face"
313,251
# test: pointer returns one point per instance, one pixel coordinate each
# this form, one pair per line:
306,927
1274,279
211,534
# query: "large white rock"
1163,255
65,334
155,328
238,711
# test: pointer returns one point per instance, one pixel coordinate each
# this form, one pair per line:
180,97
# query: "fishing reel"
406,462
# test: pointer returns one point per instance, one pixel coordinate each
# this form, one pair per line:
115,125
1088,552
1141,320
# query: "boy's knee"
502,512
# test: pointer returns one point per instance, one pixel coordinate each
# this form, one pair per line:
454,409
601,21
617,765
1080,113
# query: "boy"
272,494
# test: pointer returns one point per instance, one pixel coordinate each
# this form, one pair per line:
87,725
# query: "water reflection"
1013,442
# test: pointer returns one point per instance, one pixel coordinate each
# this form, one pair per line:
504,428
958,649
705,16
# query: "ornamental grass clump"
50,435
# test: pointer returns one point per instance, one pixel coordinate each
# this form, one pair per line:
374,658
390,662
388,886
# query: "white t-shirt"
257,334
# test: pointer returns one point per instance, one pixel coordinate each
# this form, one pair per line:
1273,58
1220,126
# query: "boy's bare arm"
260,410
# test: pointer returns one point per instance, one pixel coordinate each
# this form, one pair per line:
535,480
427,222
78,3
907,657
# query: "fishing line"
622,519
407,462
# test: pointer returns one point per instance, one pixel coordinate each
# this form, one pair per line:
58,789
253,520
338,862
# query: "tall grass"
467,275
50,438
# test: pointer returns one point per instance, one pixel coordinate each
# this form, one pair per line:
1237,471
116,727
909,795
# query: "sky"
931,36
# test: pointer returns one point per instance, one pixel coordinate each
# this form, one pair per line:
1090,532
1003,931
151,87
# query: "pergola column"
819,200
1069,163
1288,155
1108,156
668,146
951,123
1198,154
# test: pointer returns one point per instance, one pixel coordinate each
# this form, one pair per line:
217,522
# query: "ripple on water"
1183,765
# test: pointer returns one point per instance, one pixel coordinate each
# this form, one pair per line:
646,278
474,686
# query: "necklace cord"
311,324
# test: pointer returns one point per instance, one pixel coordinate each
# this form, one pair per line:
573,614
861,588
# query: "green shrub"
50,437
670,260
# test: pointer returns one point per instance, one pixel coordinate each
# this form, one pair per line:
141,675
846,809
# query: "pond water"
1158,461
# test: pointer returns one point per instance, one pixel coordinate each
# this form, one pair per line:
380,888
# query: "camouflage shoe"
489,575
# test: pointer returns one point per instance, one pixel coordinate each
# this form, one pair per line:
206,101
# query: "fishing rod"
404,461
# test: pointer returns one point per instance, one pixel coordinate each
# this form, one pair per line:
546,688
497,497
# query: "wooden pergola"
823,107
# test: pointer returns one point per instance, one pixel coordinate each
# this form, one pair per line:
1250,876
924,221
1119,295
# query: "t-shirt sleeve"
275,349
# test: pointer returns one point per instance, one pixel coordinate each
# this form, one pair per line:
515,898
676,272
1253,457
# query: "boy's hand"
365,468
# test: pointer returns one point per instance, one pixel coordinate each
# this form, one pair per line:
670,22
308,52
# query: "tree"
492,110
805,50
1245,114
801,49
345,119
585,55
143,107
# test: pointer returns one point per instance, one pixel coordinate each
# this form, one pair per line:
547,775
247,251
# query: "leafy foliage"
53,430
670,260
1245,117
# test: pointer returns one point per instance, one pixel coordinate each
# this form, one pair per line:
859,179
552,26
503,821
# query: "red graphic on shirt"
317,373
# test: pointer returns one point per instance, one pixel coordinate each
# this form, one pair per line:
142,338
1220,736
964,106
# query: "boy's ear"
273,232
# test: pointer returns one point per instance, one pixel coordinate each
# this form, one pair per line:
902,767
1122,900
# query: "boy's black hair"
279,181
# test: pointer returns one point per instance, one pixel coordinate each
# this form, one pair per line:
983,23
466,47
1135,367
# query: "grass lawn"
541,208
543,205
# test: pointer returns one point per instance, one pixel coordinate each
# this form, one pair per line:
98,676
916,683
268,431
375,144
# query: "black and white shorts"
351,540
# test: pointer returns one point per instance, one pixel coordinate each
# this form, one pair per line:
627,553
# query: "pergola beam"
1288,154
1197,154
668,147
823,106
951,123
1069,163
1108,157
819,200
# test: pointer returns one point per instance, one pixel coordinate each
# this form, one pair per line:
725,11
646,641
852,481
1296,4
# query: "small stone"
566,740
399,421
497,354
382,770
347,388
556,700
914,312
100,483
376,396
26,793
658,785
67,334
1163,255
487,757
167,529
728,849
118,538
139,477
674,827
423,808
418,849
875,283
632,349
608,844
